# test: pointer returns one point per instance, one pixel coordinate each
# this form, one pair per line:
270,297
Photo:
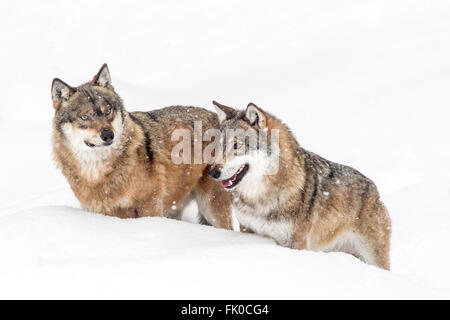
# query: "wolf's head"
250,148
89,118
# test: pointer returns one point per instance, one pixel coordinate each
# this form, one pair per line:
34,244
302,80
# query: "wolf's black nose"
215,173
107,135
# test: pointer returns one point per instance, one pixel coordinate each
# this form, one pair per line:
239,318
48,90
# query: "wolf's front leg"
124,213
153,207
214,203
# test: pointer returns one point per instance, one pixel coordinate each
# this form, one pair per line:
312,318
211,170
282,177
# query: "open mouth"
90,145
236,178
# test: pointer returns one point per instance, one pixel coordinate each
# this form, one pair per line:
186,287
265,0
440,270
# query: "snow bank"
68,253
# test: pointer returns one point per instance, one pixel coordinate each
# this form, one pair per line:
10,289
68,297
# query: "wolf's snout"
107,135
215,173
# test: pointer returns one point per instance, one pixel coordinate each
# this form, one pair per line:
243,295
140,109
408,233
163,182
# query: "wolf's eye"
84,117
108,111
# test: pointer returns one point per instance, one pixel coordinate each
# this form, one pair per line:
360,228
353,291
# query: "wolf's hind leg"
378,249
214,203
374,252
376,232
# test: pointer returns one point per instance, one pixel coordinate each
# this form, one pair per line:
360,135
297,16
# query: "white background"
361,83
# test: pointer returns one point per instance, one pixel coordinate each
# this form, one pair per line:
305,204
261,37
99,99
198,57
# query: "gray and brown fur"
310,203
134,176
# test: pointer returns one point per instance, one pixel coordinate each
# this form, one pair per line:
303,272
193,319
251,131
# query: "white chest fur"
279,230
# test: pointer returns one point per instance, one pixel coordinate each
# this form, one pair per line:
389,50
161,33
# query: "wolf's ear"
224,112
256,116
61,93
103,77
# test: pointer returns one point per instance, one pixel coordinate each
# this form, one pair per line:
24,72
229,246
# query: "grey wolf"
309,203
118,163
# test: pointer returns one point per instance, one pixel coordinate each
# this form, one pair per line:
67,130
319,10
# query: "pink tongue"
226,182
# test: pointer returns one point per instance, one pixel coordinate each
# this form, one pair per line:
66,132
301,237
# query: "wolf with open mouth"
308,202
119,163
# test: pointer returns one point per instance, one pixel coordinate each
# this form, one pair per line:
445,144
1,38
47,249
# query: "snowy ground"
361,83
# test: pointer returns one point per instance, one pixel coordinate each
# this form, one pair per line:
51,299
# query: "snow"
363,84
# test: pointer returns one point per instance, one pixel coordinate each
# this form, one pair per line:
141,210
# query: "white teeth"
231,181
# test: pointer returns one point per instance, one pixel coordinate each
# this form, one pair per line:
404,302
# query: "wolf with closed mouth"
119,163
308,202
